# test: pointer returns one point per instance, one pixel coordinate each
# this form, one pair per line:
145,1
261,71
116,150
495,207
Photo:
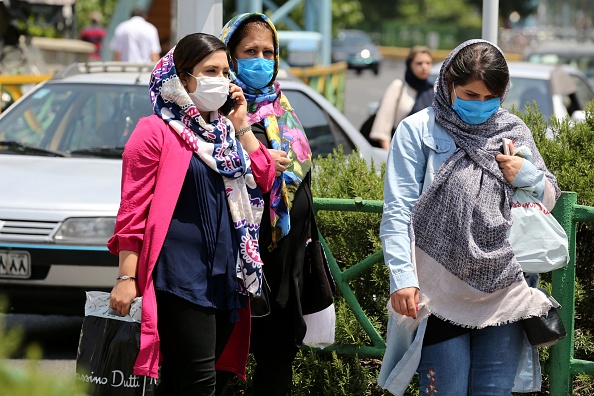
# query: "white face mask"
211,92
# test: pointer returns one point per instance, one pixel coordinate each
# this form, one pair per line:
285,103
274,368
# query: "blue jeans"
480,363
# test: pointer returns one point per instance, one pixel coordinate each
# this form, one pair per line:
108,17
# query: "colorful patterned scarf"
283,130
215,144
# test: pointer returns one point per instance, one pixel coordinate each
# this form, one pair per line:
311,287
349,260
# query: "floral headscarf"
283,130
215,144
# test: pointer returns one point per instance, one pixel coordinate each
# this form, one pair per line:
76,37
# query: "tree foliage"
28,380
85,8
463,12
506,7
458,12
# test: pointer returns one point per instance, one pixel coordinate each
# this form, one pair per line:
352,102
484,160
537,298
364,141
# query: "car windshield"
75,119
524,91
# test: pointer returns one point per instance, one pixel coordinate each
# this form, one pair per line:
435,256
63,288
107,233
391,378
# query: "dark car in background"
357,49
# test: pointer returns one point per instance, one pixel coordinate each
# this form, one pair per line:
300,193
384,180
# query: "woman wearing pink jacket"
187,228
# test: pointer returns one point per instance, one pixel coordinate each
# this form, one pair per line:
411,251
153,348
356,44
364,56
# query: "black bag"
368,123
260,306
366,130
318,283
545,330
107,350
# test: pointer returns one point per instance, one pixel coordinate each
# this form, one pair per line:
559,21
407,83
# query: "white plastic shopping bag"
320,328
537,239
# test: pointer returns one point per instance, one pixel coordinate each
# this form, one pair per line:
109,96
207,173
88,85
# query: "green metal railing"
342,278
561,365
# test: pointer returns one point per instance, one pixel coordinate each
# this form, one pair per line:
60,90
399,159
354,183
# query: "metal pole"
311,14
204,16
241,6
490,20
325,28
255,6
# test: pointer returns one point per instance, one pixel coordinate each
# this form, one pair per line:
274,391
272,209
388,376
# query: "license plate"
15,264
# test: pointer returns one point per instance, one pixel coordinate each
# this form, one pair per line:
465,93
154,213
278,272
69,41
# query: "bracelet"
125,277
242,131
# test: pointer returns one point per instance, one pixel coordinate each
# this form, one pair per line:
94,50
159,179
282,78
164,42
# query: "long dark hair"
480,61
194,47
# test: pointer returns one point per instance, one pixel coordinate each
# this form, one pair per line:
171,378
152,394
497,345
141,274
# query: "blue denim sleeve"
403,184
530,179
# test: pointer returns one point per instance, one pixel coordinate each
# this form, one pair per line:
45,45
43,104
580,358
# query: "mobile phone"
506,143
228,105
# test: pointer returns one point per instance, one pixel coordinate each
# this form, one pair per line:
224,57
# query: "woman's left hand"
237,115
510,165
281,160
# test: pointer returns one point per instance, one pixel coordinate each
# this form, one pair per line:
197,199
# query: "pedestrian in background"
187,229
458,299
277,336
136,40
94,33
403,98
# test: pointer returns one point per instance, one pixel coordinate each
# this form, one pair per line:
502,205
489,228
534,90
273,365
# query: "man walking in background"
136,40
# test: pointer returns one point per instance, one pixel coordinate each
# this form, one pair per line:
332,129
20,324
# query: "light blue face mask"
255,72
475,111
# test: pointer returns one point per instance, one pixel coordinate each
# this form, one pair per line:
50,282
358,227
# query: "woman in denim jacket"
458,295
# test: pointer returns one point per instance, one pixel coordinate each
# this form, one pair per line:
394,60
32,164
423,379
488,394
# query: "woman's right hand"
122,295
406,301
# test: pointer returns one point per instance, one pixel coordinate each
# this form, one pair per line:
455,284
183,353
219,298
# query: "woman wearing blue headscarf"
276,336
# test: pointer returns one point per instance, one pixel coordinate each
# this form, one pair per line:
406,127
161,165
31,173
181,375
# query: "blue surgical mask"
475,111
255,72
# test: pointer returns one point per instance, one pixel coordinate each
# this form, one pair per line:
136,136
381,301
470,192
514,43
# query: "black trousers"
192,338
274,349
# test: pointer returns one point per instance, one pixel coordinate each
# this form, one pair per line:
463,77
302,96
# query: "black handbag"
545,330
260,306
318,283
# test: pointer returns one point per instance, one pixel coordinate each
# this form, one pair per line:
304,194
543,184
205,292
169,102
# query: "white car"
579,55
60,161
558,90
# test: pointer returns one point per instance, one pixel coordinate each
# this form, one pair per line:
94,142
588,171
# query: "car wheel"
359,72
376,70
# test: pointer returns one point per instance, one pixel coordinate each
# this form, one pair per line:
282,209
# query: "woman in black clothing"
285,228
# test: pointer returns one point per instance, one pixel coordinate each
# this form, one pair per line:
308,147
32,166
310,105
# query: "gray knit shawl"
462,219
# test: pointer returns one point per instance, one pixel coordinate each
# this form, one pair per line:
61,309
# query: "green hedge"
568,150
28,380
